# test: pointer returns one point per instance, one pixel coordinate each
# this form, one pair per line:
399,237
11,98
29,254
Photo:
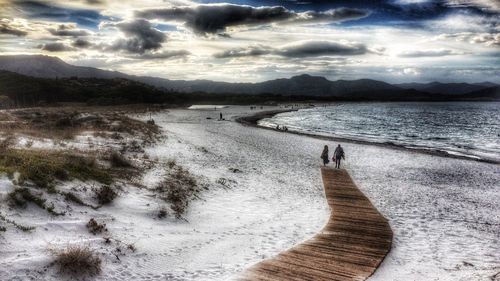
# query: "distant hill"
299,86
488,94
52,67
447,88
18,90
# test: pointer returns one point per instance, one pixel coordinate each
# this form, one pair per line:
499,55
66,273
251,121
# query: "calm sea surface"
464,128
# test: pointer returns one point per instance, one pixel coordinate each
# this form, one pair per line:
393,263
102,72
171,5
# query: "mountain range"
303,85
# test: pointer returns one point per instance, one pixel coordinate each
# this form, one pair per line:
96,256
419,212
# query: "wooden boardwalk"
350,247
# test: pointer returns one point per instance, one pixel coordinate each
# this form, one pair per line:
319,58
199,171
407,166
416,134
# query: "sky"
251,40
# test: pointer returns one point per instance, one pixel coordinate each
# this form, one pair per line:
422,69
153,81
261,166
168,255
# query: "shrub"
44,167
18,226
178,188
21,196
119,161
105,194
94,227
73,198
162,213
78,261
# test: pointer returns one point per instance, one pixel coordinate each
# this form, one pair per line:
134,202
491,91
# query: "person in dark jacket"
324,155
338,155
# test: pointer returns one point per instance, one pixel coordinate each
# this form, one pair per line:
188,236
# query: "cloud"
81,43
492,5
55,47
322,48
67,30
141,36
34,9
298,50
215,18
163,55
429,53
6,29
250,51
488,39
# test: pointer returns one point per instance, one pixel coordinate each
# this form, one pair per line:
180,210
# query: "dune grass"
178,188
78,261
43,168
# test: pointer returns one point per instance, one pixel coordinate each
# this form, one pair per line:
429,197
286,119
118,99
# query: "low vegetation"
96,228
67,122
162,212
178,188
105,194
77,261
20,197
15,224
117,160
43,168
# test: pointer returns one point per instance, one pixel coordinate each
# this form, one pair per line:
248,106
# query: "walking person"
338,155
324,155
220,116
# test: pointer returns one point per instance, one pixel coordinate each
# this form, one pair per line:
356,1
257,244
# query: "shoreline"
252,120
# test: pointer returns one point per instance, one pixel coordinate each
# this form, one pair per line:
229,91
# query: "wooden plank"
350,247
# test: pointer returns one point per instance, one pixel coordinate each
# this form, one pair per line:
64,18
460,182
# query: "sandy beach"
265,195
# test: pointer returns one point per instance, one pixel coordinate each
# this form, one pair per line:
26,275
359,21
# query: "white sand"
438,208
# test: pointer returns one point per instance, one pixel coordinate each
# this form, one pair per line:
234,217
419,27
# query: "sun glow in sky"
241,41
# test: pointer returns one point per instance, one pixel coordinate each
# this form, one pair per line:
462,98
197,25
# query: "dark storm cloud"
141,36
6,29
298,50
55,47
217,17
81,43
323,48
64,30
40,10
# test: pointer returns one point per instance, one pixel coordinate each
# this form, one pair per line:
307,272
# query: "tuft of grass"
18,226
78,261
162,212
69,196
119,161
105,194
21,196
43,168
95,228
178,189
73,198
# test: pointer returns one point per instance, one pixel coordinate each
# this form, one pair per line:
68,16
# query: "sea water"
470,129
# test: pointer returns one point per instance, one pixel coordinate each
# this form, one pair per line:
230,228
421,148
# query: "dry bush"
77,261
14,223
69,196
178,188
65,123
105,194
21,196
95,228
119,161
44,167
162,212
